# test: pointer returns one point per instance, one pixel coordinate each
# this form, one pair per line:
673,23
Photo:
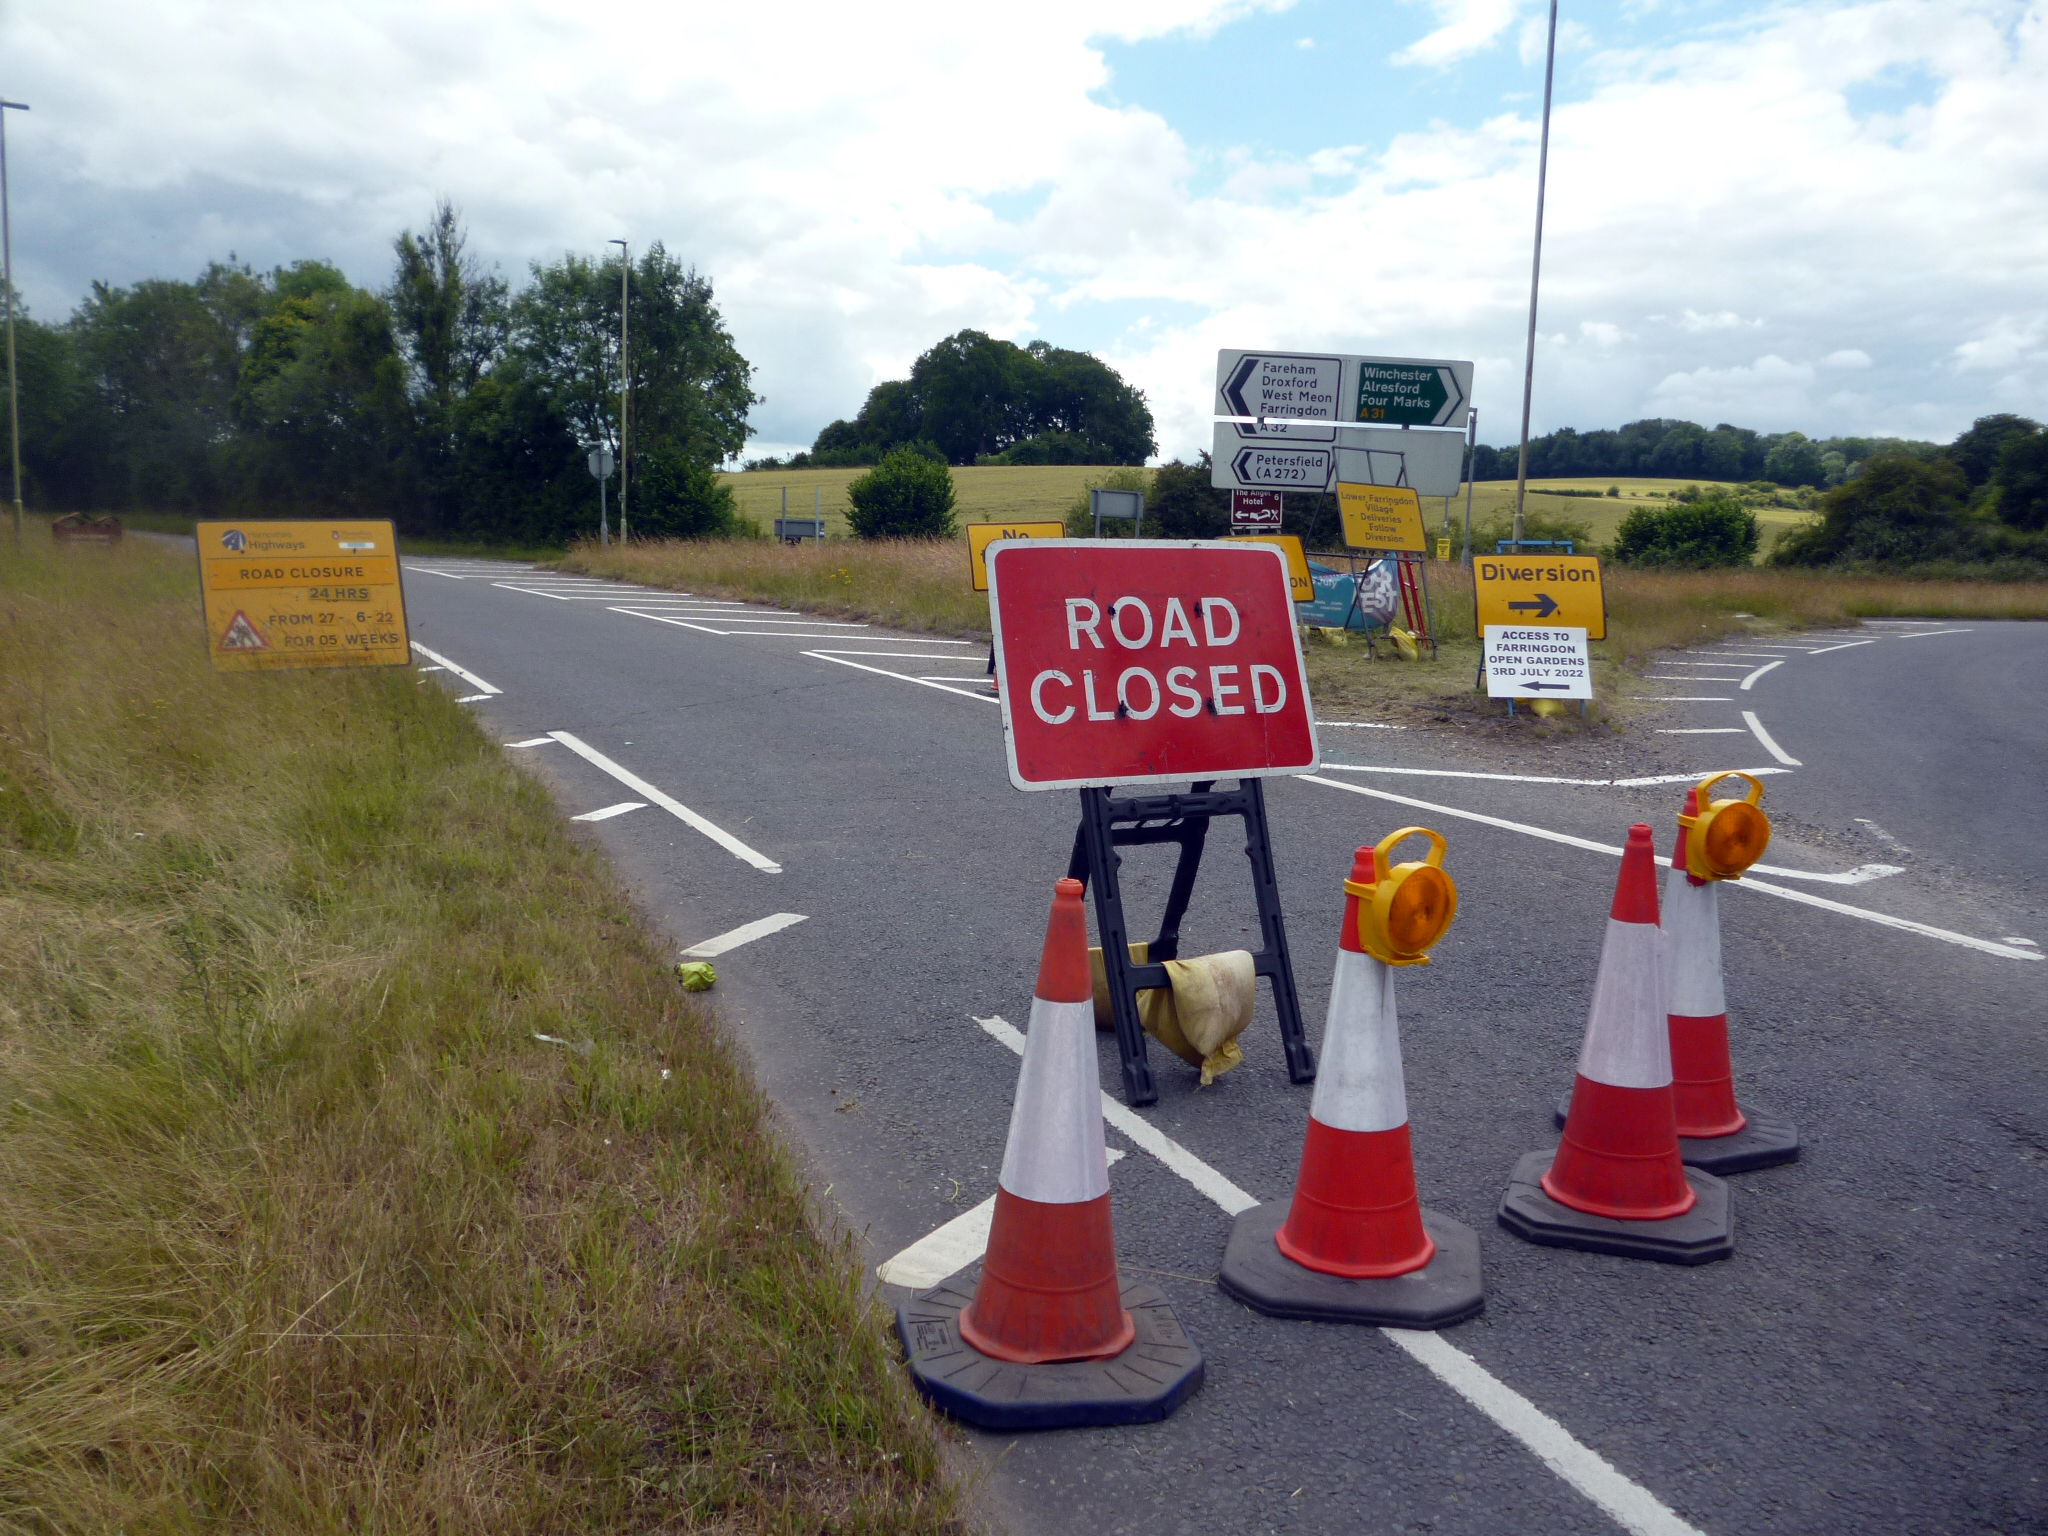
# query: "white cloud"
1848,357
1465,27
838,179
1304,42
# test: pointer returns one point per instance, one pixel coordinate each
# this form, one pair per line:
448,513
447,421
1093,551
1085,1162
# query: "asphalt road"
1874,1356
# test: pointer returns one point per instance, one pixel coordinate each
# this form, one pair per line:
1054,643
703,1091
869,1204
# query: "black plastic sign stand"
1108,824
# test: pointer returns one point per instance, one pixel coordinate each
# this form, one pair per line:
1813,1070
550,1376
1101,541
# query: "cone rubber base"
1765,1142
1160,1371
1703,1234
1444,1291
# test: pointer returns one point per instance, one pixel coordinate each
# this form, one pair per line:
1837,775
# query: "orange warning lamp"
1724,837
1404,910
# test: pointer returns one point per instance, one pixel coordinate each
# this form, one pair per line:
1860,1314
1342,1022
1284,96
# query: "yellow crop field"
985,495
1495,499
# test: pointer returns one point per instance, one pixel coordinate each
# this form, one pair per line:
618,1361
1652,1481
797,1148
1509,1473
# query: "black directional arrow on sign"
1525,683
1544,605
1233,392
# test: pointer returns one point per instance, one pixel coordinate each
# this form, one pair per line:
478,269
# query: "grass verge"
300,1226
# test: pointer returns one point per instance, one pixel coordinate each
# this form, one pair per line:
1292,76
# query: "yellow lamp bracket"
1725,837
1405,908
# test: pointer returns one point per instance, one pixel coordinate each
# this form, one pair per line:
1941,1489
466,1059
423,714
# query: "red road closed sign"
1144,661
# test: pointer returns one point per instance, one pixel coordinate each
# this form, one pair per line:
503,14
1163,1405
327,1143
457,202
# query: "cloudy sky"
1827,216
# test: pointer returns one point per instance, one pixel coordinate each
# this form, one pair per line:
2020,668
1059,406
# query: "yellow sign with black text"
1382,517
302,594
1562,591
981,535
1300,584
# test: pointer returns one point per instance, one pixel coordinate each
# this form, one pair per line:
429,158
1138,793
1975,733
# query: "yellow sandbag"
1405,642
1200,1017
1099,975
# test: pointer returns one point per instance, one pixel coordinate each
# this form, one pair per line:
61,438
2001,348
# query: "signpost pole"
1535,272
625,379
7,248
1471,463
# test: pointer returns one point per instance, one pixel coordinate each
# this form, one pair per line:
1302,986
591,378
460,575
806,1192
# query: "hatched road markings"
485,690
612,810
1627,1502
1884,919
675,808
838,658
746,933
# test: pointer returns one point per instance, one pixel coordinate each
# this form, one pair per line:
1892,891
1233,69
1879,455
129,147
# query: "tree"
676,497
1714,530
2021,480
906,496
1182,504
1976,452
1900,510
1794,460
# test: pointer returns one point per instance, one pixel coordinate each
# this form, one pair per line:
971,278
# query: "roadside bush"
1536,525
1692,535
1052,448
906,496
673,497
1898,511
2021,480
1081,526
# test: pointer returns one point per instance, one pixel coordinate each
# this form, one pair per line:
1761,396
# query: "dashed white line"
532,741
674,807
1682,698
1845,645
1628,1502
746,933
464,673
473,698
612,810
1756,727
1884,919
1924,634
1749,682
1702,730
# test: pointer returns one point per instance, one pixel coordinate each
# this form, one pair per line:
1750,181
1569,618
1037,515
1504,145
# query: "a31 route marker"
1559,590
301,594
1147,661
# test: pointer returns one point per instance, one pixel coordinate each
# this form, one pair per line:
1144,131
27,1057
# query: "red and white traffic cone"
1356,1245
1048,1300
1615,1183
1714,1131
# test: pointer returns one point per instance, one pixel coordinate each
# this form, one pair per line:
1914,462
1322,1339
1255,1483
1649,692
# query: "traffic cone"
1048,1337
1714,1131
1616,1184
1356,1245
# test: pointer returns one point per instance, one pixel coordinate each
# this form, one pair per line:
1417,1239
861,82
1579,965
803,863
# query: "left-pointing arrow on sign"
1538,687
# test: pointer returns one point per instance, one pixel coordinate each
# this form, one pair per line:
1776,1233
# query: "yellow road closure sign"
302,595
1381,517
1300,583
1562,591
981,535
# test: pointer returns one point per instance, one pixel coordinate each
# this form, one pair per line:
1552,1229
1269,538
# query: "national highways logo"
234,539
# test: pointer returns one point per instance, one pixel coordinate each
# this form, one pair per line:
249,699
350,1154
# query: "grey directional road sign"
1312,386
1298,456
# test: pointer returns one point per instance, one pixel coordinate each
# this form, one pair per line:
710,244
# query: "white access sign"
1344,387
1537,663
1299,456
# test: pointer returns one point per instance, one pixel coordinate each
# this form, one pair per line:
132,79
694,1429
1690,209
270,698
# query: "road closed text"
1132,661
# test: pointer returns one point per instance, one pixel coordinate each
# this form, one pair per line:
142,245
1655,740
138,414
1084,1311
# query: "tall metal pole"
1535,272
1471,463
625,380
7,261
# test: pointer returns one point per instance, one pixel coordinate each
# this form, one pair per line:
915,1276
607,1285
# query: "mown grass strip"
300,1226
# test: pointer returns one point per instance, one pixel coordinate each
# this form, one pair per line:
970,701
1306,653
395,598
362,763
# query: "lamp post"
1535,270
625,380
7,262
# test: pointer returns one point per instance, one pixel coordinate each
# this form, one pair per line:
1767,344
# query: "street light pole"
7,261
625,380
1535,271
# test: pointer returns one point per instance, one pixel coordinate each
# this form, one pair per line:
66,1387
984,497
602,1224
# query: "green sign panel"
1408,394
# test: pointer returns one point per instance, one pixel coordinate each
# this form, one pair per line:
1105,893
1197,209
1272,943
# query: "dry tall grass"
300,1227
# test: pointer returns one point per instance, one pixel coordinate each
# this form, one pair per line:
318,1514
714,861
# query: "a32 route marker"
301,594
1147,661
1343,387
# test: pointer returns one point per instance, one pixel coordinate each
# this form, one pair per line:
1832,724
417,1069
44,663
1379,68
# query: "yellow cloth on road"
1198,1017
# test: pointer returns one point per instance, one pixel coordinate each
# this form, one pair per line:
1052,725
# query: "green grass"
1493,502
301,1229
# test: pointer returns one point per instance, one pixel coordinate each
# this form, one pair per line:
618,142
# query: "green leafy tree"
1899,510
906,496
676,497
1711,531
2021,480
1182,504
1977,451
1794,460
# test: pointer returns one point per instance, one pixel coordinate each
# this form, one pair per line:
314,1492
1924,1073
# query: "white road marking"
428,570
1885,919
1756,728
1666,677
1682,698
473,698
1746,655
1702,730
1845,645
746,933
674,807
946,1250
1673,661
1862,874
612,810
744,634
1630,1504
430,669
532,741
1358,725
910,655
985,697
2013,939
464,673
1924,633
1532,778
1749,682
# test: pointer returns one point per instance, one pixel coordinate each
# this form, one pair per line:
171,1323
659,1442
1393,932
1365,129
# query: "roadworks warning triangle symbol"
241,635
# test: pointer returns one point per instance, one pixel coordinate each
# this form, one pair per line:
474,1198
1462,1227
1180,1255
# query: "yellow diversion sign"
981,535
1381,517
302,595
1562,590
